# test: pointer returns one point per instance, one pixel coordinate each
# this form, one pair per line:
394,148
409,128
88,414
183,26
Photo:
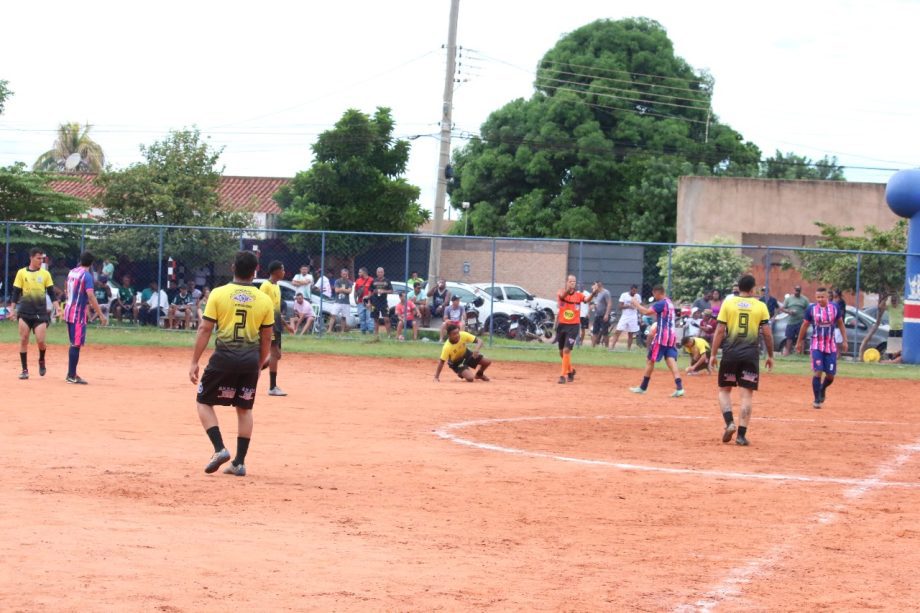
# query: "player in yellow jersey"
460,358
31,288
244,318
742,319
270,288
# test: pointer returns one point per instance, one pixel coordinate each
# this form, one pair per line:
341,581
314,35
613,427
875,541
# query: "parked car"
873,313
517,295
505,315
857,325
287,297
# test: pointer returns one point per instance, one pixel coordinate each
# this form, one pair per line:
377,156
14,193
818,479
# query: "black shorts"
276,334
228,388
584,323
601,327
468,361
567,335
739,373
34,322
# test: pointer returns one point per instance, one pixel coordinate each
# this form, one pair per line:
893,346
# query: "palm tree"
72,138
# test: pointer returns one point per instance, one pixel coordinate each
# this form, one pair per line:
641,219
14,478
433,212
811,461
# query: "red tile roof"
250,194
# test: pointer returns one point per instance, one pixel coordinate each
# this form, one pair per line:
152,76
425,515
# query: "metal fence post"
670,253
767,265
322,274
242,236
160,275
6,266
492,299
856,323
408,289
581,259
82,238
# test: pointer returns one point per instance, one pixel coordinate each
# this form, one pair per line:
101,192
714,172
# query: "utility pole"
434,258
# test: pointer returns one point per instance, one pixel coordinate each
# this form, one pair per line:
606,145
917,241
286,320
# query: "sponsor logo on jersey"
243,297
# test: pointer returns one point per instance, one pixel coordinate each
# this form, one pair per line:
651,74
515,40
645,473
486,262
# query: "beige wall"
539,267
708,207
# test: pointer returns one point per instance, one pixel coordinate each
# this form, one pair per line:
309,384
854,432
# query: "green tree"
72,138
4,93
354,185
792,166
694,270
616,118
880,274
175,185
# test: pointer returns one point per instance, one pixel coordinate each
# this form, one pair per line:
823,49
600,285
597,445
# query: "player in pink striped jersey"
823,316
663,345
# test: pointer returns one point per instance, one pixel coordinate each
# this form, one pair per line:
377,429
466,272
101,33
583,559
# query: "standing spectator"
342,307
702,303
270,288
363,290
741,322
243,344
736,290
379,303
629,319
303,315
303,281
181,306
201,275
770,301
603,304
584,317
413,279
568,324
31,289
708,325
454,315
408,315
108,268
203,303
824,316
125,302
323,284
715,302
79,295
895,326
193,291
420,298
663,343
438,299
795,306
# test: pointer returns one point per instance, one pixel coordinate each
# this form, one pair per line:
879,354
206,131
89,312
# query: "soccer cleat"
482,377
77,379
571,375
24,374
219,457
741,441
41,369
239,470
821,397
729,431
561,380
677,394
637,390
816,405
276,391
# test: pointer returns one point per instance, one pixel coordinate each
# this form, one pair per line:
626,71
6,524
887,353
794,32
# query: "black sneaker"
561,379
78,380
741,441
41,369
571,375
219,457
729,431
24,374
821,396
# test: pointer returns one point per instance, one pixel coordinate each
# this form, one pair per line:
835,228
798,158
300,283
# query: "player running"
461,359
244,318
270,288
31,289
742,319
80,294
663,345
568,323
824,316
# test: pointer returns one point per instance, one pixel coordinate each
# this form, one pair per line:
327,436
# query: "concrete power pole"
434,259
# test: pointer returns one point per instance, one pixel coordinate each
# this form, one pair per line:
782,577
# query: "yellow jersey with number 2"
240,312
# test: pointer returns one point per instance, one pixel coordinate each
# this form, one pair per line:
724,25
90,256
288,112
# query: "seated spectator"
699,352
420,298
194,291
413,279
125,302
182,306
154,307
303,316
172,288
454,314
4,311
438,300
103,296
407,315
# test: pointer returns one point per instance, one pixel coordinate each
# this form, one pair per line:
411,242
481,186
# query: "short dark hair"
687,340
34,251
658,287
87,258
821,289
746,283
245,264
275,265
452,327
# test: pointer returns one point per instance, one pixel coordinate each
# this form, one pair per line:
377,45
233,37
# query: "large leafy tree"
881,274
175,185
72,138
354,184
792,166
616,118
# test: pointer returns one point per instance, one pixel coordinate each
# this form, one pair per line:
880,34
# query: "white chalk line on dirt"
447,432
758,568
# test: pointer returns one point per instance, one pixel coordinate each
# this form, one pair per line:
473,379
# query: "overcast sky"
262,79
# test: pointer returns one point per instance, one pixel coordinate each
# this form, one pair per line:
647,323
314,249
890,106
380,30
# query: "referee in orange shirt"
568,324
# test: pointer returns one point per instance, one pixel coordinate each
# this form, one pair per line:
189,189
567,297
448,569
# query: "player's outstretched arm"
201,341
437,372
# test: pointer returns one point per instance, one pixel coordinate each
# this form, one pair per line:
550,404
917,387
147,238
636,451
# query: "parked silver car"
857,325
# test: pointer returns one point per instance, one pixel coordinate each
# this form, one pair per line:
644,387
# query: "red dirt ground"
354,503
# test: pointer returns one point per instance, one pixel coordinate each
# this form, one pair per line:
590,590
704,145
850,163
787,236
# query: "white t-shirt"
303,289
628,315
584,307
324,286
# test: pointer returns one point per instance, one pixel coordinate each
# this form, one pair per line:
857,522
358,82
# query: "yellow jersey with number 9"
240,312
742,316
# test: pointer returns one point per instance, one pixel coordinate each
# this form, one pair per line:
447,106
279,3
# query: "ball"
872,355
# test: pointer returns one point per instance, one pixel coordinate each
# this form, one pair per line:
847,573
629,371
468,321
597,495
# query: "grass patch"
354,344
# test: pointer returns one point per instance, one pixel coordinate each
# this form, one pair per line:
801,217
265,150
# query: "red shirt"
363,287
569,311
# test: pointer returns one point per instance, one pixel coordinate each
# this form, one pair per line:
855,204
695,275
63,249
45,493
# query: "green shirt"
797,306
896,317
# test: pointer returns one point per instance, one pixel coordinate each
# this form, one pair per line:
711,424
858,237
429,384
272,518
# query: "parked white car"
517,295
504,312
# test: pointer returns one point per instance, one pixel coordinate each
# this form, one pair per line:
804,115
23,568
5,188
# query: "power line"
605,95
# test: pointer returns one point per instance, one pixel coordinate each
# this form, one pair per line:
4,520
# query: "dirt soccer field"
371,487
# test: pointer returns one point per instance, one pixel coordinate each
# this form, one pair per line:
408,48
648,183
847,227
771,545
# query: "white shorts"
339,309
627,325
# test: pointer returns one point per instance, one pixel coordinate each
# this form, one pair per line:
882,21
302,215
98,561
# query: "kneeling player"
460,358
699,352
